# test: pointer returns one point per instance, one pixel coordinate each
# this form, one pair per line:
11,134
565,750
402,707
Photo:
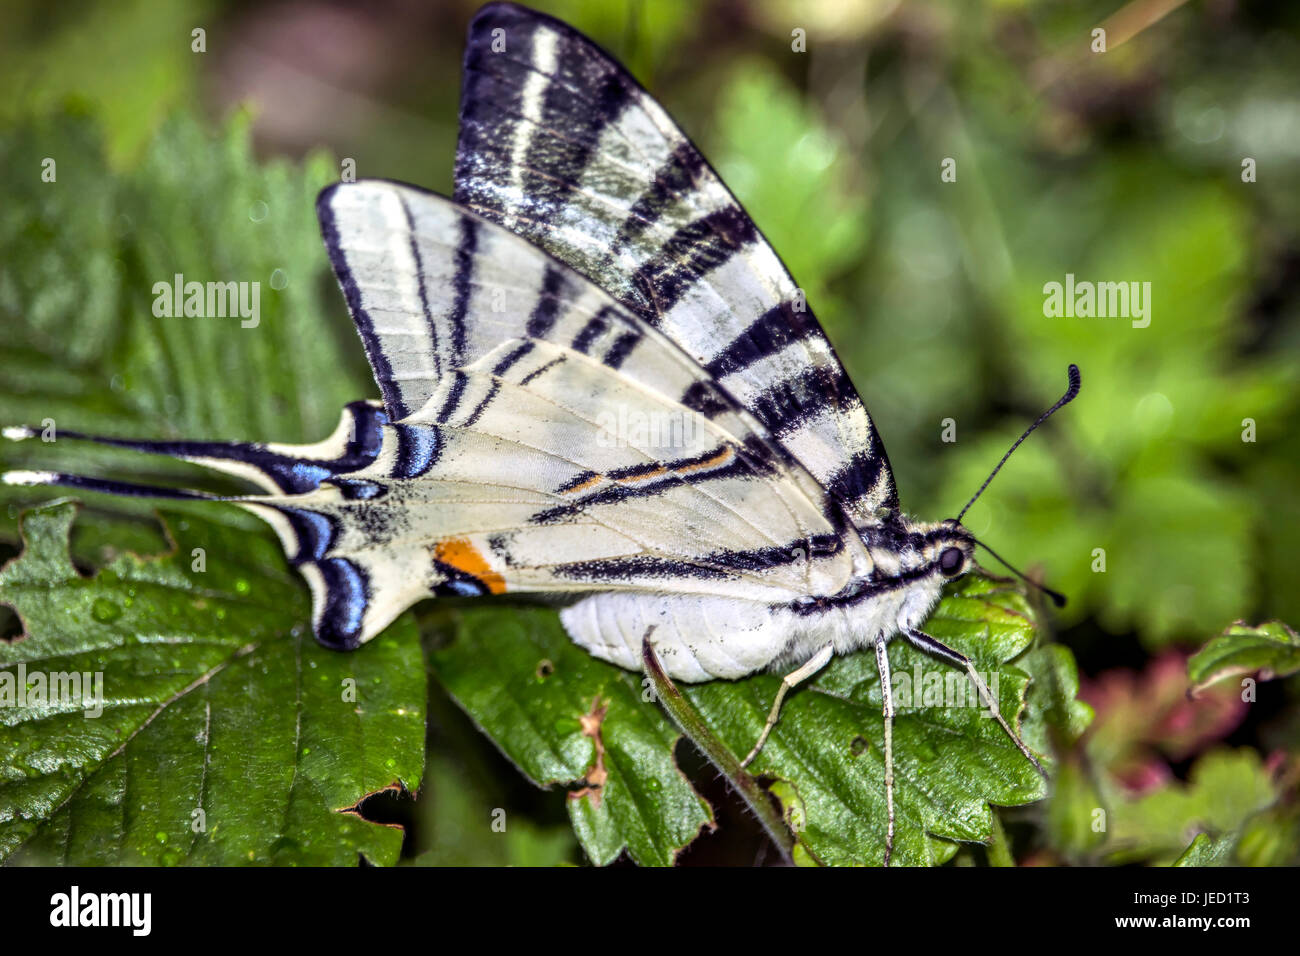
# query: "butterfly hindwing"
561,145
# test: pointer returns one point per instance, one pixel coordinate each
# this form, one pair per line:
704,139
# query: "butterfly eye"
950,561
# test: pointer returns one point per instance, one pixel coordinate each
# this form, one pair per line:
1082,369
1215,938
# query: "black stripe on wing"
678,175
464,274
375,354
572,113
712,566
691,253
409,341
418,448
430,324
547,309
766,336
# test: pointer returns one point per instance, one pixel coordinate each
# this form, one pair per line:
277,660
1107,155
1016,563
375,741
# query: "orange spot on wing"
593,480
463,556
713,462
644,476
657,472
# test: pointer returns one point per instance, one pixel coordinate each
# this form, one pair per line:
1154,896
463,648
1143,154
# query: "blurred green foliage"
1123,166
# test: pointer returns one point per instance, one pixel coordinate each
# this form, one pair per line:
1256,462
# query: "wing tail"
345,612
106,486
275,468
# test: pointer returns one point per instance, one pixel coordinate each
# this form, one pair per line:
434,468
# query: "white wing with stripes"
541,441
561,145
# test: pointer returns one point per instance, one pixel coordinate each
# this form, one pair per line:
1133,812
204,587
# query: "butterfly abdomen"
700,638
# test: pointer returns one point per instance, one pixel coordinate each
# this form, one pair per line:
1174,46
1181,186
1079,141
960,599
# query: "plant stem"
999,850
690,723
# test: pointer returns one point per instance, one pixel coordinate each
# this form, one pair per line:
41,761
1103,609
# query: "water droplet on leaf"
104,610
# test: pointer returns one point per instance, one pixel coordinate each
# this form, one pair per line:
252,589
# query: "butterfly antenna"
1057,597
1064,400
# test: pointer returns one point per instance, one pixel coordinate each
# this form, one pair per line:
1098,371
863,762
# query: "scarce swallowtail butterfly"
591,267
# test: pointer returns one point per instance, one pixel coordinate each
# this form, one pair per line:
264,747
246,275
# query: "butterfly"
600,384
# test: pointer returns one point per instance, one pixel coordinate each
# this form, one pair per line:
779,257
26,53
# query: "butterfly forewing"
560,145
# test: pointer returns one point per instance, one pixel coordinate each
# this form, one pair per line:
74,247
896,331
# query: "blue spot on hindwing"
315,533
418,447
297,477
346,599
358,489
367,431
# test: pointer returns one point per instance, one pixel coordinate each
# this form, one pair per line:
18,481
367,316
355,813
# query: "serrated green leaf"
83,254
950,761
1272,649
89,354
534,692
1055,675
529,688
217,708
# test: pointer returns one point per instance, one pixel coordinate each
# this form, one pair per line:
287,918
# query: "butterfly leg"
927,643
788,683
886,689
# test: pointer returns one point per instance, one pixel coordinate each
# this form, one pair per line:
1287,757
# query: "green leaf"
530,689
1272,649
87,352
214,706
1269,838
1205,850
542,699
692,724
950,761
1055,677
1224,789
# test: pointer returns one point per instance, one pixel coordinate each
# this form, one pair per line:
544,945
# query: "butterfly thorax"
905,550
910,561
